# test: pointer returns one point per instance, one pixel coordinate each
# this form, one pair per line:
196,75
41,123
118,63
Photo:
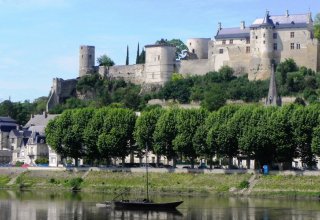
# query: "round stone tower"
86,60
160,61
199,46
262,49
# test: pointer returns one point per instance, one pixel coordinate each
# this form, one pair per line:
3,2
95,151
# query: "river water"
77,206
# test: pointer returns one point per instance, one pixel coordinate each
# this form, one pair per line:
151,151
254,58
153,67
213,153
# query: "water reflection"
78,206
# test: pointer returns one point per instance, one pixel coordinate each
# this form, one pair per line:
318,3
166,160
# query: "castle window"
158,57
264,42
291,34
256,37
247,49
223,41
231,41
90,56
264,35
247,40
275,35
221,51
298,46
275,46
193,51
190,44
292,46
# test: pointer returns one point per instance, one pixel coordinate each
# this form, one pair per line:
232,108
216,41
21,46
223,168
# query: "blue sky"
40,39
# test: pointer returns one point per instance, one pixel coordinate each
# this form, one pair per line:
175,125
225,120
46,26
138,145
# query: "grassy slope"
287,185
163,182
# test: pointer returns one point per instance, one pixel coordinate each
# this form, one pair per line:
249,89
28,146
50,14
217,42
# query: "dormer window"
223,42
231,41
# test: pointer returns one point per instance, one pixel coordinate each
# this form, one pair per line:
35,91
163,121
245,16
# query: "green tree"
188,120
104,60
214,98
138,54
286,67
317,26
303,121
91,134
127,57
217,139
117,134
180,46
282,134
145,127
164,134
226,73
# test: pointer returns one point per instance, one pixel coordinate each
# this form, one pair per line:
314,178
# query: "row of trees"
266,134
21,111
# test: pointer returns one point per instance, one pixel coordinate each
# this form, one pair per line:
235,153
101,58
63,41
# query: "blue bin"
265,169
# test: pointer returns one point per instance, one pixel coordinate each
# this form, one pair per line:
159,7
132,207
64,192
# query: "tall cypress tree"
138,54
142,57
127,59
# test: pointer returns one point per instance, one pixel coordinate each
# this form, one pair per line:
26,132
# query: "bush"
42,161
244,184
75,183
19,164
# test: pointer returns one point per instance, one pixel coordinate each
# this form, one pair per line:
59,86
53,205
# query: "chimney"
219,26
242,25
287,13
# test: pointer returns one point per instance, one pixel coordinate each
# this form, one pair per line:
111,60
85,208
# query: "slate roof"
283,21
7,119
278,21
231,33
39,120
7,124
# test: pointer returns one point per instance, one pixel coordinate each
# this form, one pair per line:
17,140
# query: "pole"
147,172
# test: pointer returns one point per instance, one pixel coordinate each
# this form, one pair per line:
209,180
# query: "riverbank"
109,181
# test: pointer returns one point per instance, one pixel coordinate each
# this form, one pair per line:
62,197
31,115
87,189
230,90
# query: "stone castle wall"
130,73
194,67
61,90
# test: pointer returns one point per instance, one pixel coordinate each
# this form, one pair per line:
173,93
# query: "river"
30,205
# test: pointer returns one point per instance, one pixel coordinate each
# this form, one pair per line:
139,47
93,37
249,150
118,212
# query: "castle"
247,49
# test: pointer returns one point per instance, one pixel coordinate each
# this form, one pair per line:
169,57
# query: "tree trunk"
123,161
174,162
229,162
248,163
131,157
158,160
76,162
192,162
211,162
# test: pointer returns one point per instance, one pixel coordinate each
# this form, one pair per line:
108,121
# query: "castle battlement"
247,49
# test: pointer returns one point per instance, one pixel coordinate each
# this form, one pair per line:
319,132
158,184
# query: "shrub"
19,164
42,161
244,184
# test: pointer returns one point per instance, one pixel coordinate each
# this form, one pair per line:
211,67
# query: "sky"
40,39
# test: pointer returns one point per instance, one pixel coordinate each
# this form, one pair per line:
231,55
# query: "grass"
164,182
4,180
289,185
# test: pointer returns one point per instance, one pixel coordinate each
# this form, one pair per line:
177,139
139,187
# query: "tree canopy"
104,60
